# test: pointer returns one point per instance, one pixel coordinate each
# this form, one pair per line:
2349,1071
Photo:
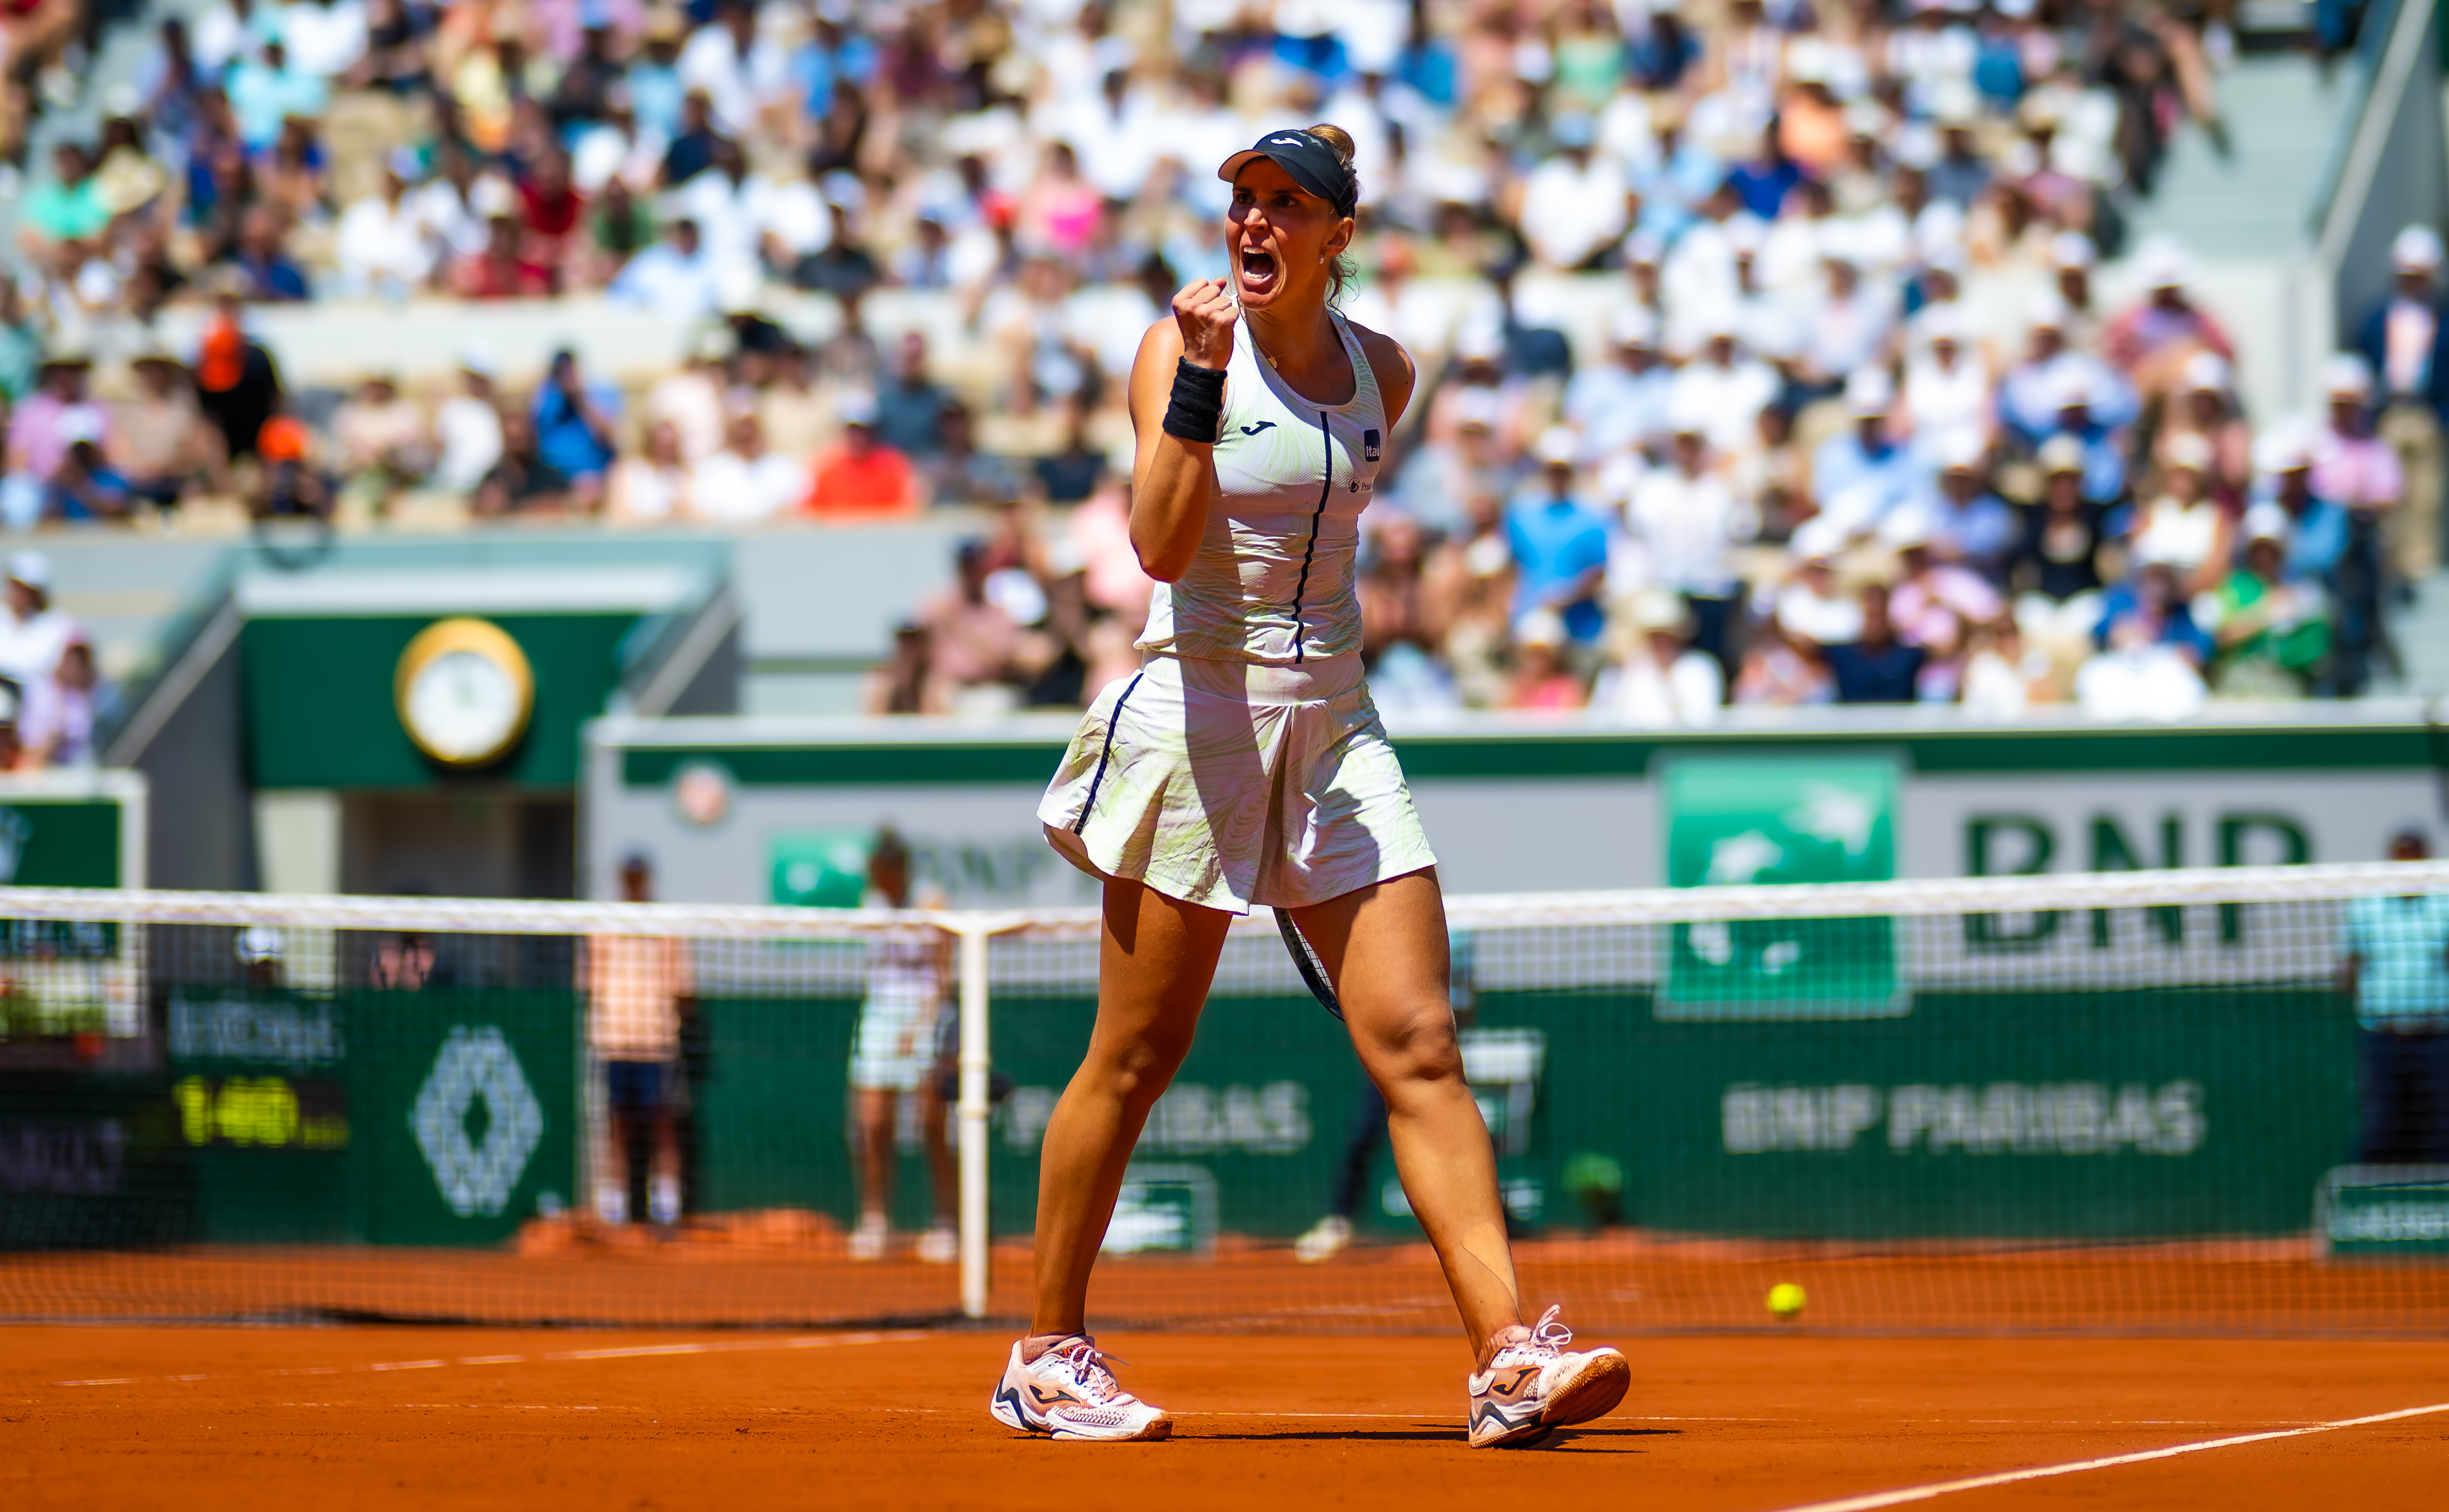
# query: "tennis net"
2136,1102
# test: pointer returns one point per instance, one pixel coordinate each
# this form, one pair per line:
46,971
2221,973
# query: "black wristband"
1197,406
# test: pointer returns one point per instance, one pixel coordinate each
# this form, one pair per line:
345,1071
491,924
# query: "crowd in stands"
1763,358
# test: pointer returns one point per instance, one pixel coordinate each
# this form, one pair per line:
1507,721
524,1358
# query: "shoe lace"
1089,1368
1542,1341
1548,1335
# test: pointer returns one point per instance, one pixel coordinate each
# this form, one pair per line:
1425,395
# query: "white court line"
2042,1472
807,1341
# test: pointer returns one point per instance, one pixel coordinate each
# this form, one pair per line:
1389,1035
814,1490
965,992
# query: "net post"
974,1107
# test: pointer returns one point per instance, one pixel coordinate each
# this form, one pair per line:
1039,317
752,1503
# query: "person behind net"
895,1053
637,988
2396,971
1244,764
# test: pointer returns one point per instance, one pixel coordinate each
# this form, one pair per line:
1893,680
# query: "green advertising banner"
1748,820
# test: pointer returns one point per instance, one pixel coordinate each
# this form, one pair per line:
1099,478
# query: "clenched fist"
1204,311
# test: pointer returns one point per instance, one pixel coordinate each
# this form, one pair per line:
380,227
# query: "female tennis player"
1246,764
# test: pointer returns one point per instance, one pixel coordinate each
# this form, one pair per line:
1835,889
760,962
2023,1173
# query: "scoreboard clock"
464,691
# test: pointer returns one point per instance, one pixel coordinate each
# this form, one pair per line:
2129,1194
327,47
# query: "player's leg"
1155,959
623,1096
663,1168
940,1244
874,1114
1385,947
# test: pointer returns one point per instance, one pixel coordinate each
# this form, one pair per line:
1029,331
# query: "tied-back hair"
1344,269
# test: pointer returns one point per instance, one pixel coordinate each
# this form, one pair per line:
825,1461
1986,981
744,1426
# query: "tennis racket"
1305,961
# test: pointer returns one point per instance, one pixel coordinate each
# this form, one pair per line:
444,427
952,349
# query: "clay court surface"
199,1417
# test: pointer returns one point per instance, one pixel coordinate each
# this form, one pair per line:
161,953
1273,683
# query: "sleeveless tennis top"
1272,580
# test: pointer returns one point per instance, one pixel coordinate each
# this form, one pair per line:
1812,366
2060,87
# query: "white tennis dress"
894,1047
1245,764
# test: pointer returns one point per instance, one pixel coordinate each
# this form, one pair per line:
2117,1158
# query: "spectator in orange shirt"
862,476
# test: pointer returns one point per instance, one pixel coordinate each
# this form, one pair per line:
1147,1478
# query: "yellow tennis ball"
1786,1299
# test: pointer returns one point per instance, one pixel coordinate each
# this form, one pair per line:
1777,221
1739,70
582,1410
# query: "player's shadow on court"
1434,1435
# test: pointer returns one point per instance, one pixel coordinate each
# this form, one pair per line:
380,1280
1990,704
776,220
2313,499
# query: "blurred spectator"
503,270
469,426
2151,656
744,482
1559,546
1690,523
1541,679
1073,473
54,418
382,442
972,637
908,683
266,90
1658,681
33,634
861,477
652,487
2405,340
382,243
293,481
575,429
1783,671
56,719
672,278
2269,634
1877,666
2183,526
520,481
237,384
909,406
2151,340
160,444
262,262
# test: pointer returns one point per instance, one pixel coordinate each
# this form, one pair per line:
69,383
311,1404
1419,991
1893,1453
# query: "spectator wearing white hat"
1970,524
33,633
1690,521
1864,470
2150,340
1724,391
2203,403
1655,679
2405,339
1575,204
2358,471
385,245
1810,606
1623,402
2185,526
1947,388
2351,466
1542,680
2317,534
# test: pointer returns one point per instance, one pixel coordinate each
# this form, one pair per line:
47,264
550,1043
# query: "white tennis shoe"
1535,1383
1068,1393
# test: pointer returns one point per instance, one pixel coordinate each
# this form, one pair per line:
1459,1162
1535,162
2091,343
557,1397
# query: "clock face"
464,707
464,691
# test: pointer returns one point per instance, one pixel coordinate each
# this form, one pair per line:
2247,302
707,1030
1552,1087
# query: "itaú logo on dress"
477,1177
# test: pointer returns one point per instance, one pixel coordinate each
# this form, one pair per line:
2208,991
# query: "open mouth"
1258,269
